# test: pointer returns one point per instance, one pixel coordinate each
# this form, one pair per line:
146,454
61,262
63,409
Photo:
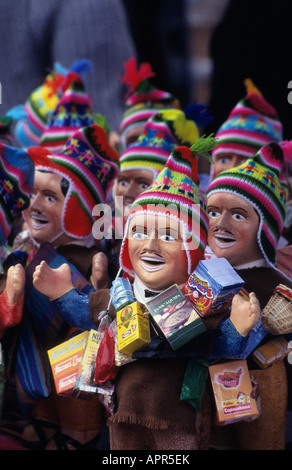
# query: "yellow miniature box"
133,328
65,361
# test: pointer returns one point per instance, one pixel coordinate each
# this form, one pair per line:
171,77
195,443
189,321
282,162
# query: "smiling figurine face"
156,251
44,214
233,228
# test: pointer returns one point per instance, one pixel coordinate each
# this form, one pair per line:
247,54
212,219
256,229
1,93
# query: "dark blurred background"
204,49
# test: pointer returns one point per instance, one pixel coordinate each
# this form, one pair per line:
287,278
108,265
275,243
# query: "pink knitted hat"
252,123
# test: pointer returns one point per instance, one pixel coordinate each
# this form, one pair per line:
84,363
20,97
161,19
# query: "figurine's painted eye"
214,214
238,216
167,238
139,235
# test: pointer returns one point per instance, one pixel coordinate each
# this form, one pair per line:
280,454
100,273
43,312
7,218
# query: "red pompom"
133,76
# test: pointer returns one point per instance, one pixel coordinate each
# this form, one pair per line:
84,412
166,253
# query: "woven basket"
277,314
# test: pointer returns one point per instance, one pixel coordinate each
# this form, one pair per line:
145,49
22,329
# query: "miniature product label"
233,392
211,286
65,361
85,385
174,315
133,328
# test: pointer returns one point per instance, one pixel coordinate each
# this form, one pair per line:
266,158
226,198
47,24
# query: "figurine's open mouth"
38,221
224,240
152,262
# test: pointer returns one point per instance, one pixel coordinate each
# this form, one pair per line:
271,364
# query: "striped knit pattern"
90,164
258,181
16,182
175,194
142,104
252,123
162,133
73,111
39,107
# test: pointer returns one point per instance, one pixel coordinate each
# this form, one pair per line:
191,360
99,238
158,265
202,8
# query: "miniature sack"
277,314
105,367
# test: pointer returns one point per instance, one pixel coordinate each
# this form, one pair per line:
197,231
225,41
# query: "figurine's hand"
52,282
245,313
15,283
99,275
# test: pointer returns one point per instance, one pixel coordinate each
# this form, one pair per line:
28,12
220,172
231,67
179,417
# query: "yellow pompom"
185,130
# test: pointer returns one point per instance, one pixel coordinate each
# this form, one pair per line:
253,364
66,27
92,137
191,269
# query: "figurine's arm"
12,298
234,330
57,285
73,307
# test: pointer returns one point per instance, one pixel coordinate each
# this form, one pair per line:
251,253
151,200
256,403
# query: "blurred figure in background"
34,35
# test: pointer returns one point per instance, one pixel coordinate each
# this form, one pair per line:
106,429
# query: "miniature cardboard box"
175,317
271,352
133,328
85,385
233,392
212,285
65,361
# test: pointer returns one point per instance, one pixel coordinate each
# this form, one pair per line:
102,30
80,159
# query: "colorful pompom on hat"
162,133
252,123
90,164
143,99
175,193
16,183
38,108
73,111
259,181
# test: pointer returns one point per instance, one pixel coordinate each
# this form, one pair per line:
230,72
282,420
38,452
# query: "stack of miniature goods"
132,318
277,314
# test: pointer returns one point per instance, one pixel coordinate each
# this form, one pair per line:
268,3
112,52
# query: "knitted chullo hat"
89,163
162,133
73,111
259,181
38,108
16,183
252,123
6,136
175,193
143,99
